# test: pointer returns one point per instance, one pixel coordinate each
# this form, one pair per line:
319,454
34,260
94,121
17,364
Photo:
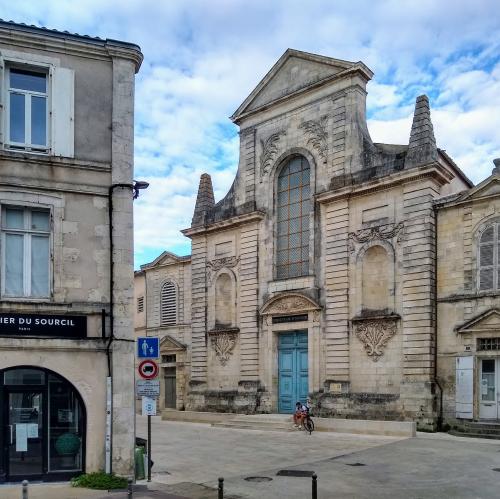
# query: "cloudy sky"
203,57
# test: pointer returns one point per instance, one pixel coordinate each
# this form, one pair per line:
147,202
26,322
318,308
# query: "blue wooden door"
292,370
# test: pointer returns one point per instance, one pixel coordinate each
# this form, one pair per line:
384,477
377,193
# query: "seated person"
300,412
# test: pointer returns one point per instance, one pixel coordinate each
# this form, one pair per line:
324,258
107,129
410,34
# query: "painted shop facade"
335,267
66,316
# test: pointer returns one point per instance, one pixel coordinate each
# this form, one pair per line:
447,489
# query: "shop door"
24,434
170,388
293,370
489,388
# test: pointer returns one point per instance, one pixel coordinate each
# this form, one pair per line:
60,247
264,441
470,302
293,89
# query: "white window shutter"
3,103
464,387
63,112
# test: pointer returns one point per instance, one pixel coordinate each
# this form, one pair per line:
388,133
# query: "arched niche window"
488,278
168,304
376,272
293,219
224,301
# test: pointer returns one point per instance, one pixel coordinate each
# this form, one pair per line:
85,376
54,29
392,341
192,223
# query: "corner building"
316,273
66,318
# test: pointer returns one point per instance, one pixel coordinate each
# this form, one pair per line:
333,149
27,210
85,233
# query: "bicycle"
308,423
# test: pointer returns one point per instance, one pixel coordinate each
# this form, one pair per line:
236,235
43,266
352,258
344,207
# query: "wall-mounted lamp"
139,185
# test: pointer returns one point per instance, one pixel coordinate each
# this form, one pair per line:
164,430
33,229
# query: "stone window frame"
359,257
279,164
55,204
175,320
477,234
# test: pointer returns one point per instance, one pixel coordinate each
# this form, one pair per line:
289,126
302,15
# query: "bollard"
129,488
221,488
314,486
25,489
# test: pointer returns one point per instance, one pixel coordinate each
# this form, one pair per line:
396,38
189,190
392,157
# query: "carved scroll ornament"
386,231
374,334
223,345
220,263
318,135
269,151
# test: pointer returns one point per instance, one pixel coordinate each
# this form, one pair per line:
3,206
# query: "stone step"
254,426
474,435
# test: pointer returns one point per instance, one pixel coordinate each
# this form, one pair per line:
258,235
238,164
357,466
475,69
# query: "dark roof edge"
461,174
65,35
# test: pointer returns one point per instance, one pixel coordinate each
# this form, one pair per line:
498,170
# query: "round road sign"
148,369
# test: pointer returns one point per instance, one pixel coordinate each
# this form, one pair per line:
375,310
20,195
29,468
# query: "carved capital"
374,334
318,135
269,151
223,345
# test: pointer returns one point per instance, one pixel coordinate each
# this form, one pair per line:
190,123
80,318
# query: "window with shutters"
168,304
38,105
488,256
293,219
27,109
25,251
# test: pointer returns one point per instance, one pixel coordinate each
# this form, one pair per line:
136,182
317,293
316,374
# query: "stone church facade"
316,274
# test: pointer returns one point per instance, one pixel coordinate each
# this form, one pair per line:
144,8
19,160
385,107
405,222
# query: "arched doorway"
44,426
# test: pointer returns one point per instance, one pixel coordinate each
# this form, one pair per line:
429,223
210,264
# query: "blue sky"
203,57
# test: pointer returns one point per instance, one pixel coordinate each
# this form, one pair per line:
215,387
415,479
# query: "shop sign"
60,326
148,388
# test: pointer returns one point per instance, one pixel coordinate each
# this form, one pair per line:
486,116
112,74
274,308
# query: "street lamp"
139,185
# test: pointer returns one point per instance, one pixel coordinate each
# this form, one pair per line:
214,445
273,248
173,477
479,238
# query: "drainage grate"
299,473
258,479
355,464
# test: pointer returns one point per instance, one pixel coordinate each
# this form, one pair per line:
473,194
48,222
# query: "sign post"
148,348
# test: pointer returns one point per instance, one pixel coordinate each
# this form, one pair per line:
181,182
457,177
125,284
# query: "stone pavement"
189,457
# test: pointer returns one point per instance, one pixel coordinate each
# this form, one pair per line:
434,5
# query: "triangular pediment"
488,187
294,72
486,322
166,258
289,303
169,344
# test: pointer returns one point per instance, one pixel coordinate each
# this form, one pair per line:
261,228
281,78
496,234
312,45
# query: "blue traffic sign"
148,348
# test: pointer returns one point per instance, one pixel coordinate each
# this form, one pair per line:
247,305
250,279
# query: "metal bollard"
129,488
314,486
221,488
25,489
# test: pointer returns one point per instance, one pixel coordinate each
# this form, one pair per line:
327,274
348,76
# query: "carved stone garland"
374,334
386,231
269,151
223,345
215,265
318,135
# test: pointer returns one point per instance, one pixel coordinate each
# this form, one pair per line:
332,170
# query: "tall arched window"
488,277
293,219
168,304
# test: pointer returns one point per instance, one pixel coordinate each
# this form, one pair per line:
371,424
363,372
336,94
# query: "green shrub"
100,481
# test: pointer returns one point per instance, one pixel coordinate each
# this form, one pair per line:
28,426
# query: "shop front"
44,426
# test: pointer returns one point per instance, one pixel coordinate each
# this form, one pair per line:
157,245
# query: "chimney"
422,146
204,201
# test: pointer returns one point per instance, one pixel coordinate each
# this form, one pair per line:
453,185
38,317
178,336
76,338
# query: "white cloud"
202,58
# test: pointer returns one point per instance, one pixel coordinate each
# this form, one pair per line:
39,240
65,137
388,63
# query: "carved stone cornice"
318,135
289,304
215,265
223,343
269,151
374,333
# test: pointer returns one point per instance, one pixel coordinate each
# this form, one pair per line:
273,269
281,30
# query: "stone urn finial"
496,170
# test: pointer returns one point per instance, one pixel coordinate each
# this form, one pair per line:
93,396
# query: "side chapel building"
364,275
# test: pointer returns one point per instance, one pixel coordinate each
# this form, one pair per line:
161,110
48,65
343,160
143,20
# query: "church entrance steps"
283,422
480,429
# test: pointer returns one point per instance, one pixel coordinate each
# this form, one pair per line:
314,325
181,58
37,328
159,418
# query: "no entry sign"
148,369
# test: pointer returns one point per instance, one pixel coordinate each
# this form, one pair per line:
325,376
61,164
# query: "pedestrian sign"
148,348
